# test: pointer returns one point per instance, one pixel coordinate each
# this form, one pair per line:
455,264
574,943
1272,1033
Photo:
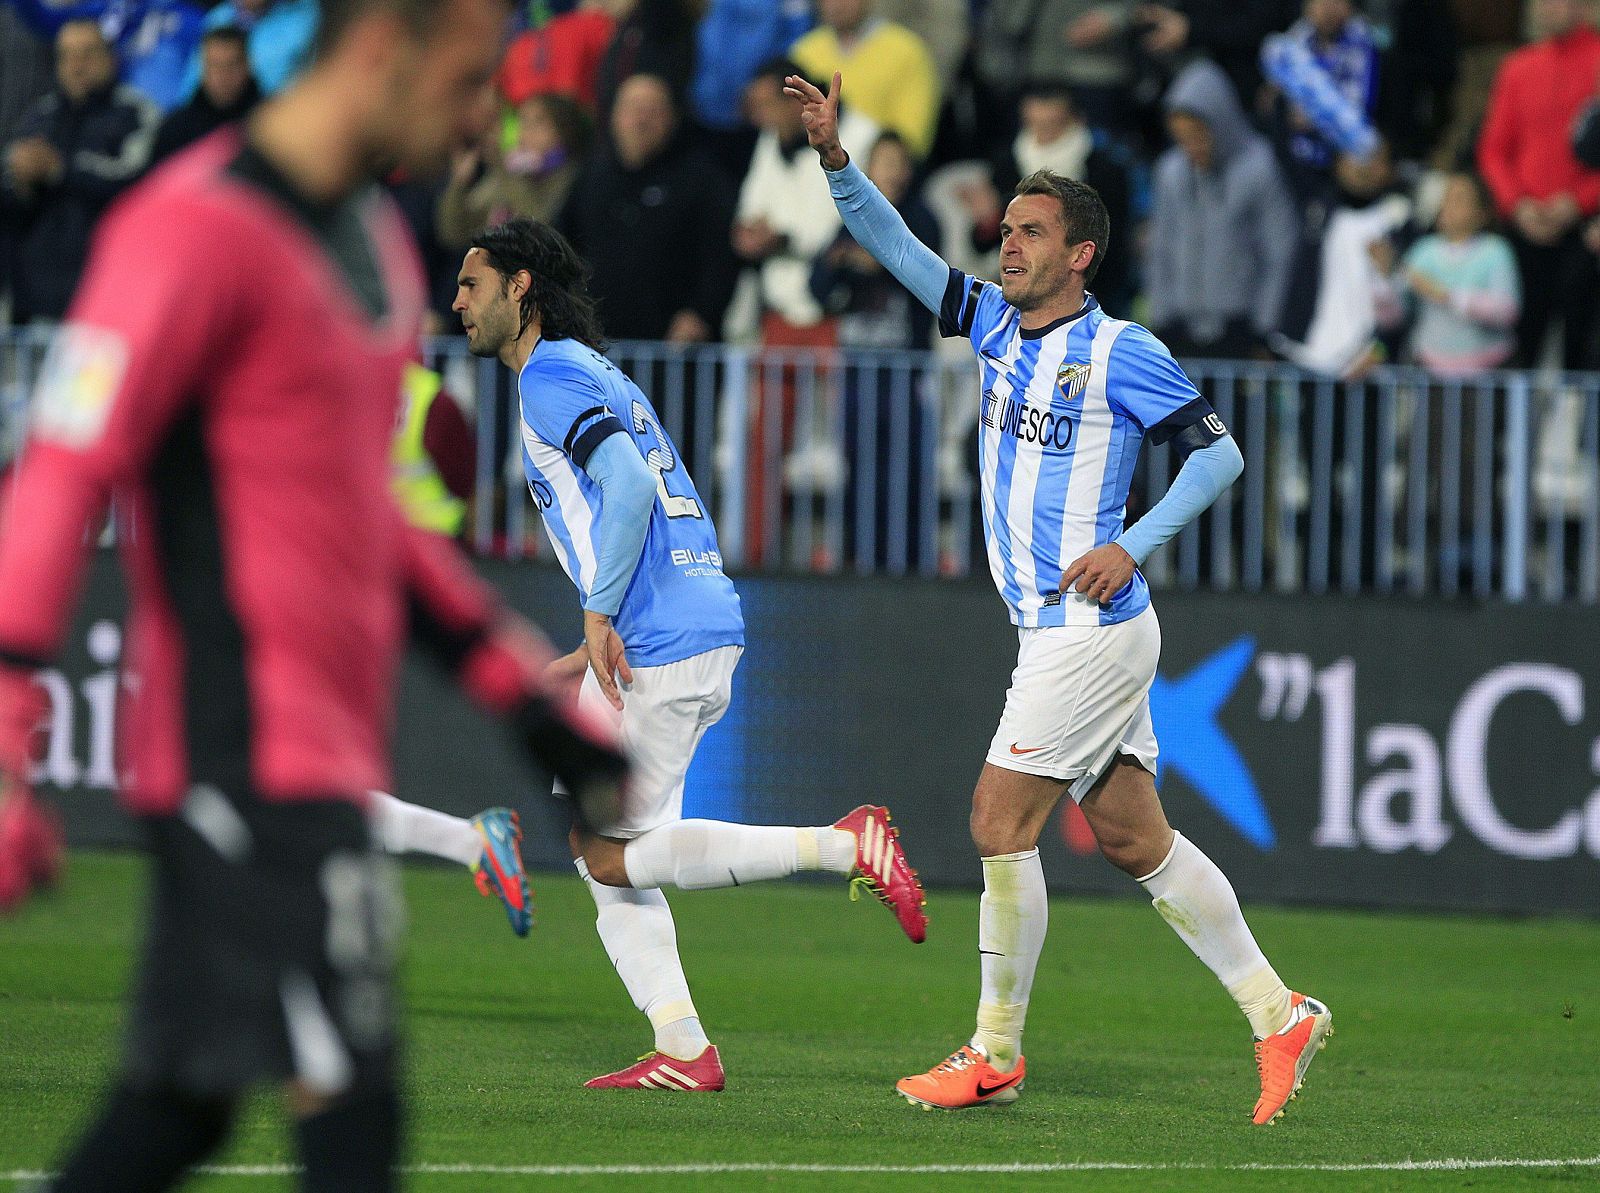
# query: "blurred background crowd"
1335,184
1329,182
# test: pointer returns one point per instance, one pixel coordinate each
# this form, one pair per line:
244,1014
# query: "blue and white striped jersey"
679,603
1065,410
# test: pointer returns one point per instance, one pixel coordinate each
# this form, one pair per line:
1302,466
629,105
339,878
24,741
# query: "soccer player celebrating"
228,375
1069,394
662,636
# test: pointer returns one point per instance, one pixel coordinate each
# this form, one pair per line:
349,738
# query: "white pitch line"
1444,1165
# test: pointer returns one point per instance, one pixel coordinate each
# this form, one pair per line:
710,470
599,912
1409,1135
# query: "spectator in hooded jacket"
1223,226
82,144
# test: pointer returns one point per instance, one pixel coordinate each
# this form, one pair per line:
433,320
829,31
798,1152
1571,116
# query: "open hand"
820,114
606,658
1100,574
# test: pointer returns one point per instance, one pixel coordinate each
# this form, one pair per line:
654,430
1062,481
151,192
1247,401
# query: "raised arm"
871,218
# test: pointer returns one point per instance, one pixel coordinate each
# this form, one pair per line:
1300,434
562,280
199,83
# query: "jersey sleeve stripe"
577,424
596,434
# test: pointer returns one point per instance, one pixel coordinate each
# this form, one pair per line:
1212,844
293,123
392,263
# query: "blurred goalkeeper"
228,375
1068,396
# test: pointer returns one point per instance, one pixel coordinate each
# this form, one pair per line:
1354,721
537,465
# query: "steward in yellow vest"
424,498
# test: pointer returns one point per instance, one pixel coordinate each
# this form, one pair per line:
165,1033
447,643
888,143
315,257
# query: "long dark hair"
558,295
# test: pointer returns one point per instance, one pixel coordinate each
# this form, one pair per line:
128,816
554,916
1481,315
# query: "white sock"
1012,917
695,855
640,938
407,828
1198,901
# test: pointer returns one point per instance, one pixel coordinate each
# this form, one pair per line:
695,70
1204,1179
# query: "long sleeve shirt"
1525,151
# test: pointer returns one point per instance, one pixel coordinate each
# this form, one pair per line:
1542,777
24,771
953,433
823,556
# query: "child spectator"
1460,282
529,179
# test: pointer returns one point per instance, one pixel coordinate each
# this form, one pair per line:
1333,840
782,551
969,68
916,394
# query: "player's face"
490,315
1036,262
439,94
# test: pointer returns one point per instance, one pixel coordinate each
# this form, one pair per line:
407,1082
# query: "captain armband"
1189,428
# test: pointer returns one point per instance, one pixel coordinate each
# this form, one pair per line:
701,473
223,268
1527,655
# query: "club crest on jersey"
1071,379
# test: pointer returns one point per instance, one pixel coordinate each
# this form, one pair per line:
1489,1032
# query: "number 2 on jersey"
661,460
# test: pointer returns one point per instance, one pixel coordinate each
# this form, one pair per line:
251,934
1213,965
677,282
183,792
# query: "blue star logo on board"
1194,745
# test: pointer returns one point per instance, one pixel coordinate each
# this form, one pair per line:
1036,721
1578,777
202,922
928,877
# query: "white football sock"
640,938
1012,918
1195,897
407,828
695,855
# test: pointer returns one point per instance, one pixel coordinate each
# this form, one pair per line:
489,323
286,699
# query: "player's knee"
604,859
995,833
1131,853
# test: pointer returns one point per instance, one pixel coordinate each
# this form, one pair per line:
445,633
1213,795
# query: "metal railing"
863,461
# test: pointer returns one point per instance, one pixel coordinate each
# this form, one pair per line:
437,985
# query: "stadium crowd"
1423,170
1330,183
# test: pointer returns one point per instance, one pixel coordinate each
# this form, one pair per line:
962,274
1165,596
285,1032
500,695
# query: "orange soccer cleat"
965,1079
882,868
1283,1057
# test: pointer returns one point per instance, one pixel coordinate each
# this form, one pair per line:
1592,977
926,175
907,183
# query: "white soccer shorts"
1080,695
666,710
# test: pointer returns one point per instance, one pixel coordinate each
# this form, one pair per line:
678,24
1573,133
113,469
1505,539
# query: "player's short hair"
558,295
420,17
231,34
1083,213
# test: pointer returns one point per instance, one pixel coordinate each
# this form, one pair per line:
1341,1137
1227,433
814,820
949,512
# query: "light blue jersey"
1064,411
679,603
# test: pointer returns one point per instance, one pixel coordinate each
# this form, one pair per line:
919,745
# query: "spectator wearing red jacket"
1539,186
560,57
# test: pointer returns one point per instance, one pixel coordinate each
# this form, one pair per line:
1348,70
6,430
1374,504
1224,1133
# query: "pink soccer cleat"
882,868
657,1070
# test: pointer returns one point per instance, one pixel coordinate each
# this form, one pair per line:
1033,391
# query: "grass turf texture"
1456,1038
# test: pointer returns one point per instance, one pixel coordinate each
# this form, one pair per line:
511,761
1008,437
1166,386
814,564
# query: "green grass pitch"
1457,1040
